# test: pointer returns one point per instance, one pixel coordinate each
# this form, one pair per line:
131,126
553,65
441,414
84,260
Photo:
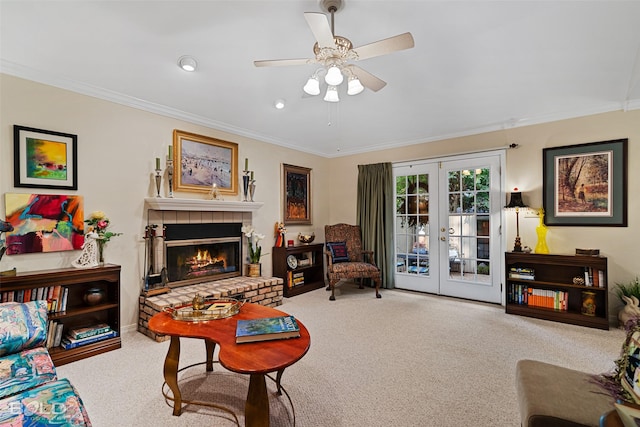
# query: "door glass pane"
469,225
412,220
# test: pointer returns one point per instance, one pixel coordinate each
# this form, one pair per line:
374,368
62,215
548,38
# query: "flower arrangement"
279,232
253,239
98,223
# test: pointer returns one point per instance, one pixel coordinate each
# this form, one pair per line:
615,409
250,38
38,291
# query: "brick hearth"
260,290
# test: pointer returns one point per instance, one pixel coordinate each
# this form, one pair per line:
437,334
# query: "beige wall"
118,145
524,170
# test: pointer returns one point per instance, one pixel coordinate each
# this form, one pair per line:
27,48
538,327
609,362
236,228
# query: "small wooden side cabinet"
77,312
301,267
563,288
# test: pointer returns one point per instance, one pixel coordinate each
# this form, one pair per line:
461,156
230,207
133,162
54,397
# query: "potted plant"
629,289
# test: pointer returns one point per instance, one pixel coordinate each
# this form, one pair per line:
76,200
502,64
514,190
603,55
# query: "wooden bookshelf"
309,268
77,313
555,274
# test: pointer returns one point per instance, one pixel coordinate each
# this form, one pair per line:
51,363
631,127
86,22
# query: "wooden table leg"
210,347
256,410
171,373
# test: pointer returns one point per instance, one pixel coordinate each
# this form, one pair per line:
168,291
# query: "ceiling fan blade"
367,79
383,47
320,29
282,62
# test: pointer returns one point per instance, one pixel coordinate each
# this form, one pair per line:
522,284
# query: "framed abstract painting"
586,184
45,159
44,223
296,194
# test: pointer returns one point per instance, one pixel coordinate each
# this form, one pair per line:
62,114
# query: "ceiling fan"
334,53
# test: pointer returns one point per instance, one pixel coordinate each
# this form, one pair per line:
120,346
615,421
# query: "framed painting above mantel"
586,184
296,194
200,162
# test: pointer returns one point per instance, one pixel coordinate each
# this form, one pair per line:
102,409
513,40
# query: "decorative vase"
94,296
101,244
252,189
254,269
541,231
588,303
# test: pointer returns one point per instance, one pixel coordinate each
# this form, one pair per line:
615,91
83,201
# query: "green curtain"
375,216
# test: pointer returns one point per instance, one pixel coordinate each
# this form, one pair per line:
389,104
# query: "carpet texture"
407,359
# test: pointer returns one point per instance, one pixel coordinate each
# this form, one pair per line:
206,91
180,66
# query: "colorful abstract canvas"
44,223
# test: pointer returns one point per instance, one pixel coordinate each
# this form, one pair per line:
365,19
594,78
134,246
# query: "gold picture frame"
201,161
296,194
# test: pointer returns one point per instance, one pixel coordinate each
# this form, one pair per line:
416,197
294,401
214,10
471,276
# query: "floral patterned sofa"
30,391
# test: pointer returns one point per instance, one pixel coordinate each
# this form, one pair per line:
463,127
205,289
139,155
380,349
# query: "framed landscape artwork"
200,161
44,159
296,194
586,184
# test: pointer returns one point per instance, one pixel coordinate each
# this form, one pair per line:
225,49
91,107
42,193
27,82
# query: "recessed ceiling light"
187,63
279,104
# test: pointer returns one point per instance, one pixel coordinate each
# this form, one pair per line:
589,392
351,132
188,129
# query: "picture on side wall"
586,184
296,194
44,223
200,162
44,159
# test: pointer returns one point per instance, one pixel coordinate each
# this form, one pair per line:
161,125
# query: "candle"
157,162
170,151
251,175
246,164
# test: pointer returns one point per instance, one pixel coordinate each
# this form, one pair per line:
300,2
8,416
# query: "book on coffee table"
265,329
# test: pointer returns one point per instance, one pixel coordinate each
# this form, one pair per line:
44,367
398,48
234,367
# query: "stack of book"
594,277
298,279
522,273
265,329
83,336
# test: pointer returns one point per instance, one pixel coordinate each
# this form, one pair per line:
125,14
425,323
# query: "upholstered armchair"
346,259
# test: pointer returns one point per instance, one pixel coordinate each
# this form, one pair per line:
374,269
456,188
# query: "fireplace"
196,253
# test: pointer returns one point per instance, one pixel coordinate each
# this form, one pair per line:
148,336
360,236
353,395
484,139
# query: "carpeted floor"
404,360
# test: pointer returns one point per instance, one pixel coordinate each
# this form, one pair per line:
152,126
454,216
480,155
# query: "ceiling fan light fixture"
334,77
354,86
312,87
187,63
332,94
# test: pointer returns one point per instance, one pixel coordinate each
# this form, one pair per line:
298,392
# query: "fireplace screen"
195,261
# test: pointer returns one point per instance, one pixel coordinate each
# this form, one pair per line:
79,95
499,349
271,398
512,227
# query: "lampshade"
332,94
516,201
354,86
334,76
313,86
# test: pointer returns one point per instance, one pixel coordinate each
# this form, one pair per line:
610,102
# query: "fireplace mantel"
175,204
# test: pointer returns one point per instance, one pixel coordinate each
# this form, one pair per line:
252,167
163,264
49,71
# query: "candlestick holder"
158,181
170,177
252,188
245,184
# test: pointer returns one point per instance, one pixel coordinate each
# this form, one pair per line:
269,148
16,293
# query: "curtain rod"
461,153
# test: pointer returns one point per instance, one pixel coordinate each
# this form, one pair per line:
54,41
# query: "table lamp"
516,203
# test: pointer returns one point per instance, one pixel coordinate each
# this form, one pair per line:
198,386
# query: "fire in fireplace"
196,253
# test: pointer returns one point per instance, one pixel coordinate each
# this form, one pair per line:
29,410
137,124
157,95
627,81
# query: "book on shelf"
69,343
522,273
89,331
266,329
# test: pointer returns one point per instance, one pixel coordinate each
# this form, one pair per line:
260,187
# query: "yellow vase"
541,231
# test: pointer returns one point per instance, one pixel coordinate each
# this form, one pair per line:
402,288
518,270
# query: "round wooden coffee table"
255,359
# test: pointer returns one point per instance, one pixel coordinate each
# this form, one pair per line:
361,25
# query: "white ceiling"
476,65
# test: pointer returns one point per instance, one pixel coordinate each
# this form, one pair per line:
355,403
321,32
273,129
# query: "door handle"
443,229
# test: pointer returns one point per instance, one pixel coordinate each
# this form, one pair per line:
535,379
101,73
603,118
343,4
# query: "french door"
447,226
